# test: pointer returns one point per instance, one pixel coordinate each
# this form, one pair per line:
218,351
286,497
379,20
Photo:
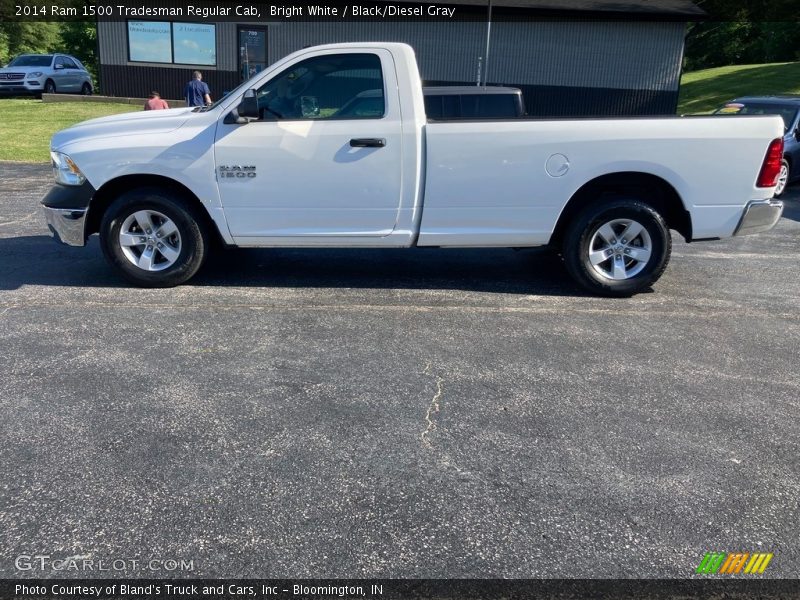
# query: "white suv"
48,73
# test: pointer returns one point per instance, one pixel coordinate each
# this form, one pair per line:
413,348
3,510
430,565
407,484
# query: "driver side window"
336,86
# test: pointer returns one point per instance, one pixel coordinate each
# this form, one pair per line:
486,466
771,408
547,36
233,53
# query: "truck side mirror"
249,106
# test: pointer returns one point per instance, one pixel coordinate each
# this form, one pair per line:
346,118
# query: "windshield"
787,113
31,60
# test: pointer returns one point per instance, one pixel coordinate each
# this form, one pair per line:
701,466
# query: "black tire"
86,90
581,232
49,87
194,239
779,192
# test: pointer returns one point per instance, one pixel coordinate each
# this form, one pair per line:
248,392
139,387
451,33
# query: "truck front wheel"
617,248
154,238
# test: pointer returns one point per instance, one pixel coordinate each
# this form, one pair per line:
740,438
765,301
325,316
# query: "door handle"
368,143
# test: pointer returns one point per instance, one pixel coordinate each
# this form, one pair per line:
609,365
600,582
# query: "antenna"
488,42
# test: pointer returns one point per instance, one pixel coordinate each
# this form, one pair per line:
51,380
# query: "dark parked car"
787,107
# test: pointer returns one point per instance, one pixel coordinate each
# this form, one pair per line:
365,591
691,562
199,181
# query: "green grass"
26,126
703,91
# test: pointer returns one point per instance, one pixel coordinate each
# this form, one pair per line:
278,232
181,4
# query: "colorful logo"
734,563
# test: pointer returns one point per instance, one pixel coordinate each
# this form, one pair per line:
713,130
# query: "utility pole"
488,42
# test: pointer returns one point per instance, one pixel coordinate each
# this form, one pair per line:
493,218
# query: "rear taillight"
768,177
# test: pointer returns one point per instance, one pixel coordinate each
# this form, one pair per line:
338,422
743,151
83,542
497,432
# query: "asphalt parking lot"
417,413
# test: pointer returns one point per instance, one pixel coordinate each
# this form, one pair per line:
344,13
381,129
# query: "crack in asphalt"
433,408
444,459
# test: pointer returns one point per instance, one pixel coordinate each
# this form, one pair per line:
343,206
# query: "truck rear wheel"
154,237
618,248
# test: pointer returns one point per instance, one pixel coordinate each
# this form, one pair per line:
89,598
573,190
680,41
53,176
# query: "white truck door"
324,159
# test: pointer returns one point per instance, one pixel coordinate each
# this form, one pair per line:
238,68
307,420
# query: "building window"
150,41
172,43
194,43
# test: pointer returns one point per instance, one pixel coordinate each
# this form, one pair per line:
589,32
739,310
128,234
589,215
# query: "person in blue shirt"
197,92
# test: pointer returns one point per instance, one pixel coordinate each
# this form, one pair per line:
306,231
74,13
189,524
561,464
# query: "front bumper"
68,225
758,216
21,87
65,210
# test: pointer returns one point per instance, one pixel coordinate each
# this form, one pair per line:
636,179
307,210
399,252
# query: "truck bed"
504,182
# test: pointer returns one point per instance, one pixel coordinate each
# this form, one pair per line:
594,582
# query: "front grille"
12,76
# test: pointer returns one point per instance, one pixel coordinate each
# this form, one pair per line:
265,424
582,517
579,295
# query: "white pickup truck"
331,146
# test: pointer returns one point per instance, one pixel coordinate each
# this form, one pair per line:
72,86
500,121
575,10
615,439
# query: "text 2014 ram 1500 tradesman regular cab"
273,163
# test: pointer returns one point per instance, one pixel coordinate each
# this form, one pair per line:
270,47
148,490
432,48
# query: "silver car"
48,73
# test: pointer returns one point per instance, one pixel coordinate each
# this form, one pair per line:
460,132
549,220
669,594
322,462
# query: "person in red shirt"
155,102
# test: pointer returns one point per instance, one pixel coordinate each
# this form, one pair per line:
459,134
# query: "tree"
743,32
4,53
36,37
79,38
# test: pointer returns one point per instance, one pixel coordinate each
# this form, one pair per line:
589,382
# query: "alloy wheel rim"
620,249
150,240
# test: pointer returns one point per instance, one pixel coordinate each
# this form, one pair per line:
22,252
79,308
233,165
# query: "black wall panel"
137,82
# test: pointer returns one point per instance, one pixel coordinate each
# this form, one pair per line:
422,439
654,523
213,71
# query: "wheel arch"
113,188
646,187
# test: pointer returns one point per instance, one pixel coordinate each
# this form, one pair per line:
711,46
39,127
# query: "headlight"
65,170
35,75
